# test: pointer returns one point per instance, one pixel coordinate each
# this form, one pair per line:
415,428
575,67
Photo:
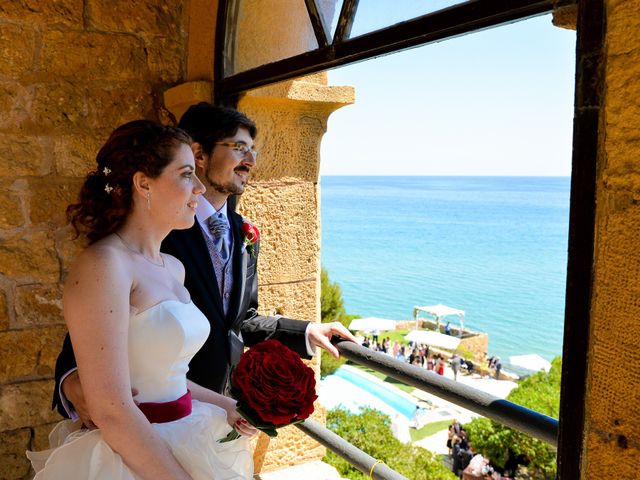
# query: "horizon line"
441,175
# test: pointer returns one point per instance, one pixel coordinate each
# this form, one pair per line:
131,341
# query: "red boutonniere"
251,236
273,387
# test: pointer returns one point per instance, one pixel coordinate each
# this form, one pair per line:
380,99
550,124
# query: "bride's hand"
237,421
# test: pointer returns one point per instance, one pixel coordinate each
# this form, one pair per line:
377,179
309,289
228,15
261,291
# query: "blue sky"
495,102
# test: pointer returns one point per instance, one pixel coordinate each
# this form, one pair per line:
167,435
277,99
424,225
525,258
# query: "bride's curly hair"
106,197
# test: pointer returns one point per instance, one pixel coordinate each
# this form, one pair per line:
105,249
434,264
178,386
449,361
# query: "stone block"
10,208
90,55
22,155
38,305
68,247
287,214
4,312
40,439
49,13
13,461
291,447
29,353
623,24
293,300
145,17
17,44
15,103
289,136
60,107
165,58
26,404
49,200
111,106
29,258
75,155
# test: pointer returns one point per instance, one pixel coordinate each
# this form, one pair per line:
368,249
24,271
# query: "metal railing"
508,413
352,454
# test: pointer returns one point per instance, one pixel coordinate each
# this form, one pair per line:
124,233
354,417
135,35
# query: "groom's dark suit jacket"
210,366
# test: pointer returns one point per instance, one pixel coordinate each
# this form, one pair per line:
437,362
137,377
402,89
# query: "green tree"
540,392
370,431
331,303
331,310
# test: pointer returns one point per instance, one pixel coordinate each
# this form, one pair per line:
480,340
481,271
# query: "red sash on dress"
164,412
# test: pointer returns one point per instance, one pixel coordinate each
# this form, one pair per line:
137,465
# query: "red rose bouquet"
273,388
251,236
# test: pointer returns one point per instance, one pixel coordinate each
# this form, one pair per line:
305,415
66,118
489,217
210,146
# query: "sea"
495,247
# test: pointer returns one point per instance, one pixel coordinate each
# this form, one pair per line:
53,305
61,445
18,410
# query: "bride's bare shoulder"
106,255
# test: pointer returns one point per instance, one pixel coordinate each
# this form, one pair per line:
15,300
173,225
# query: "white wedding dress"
162,341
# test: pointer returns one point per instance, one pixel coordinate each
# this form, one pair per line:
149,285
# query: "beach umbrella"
433,339
532,361
372,323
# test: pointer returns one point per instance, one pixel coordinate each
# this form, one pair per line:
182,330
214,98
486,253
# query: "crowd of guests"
465,463
417,354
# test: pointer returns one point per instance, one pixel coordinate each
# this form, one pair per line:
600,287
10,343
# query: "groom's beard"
229,188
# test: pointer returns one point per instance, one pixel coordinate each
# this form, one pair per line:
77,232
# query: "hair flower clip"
108,188
106,171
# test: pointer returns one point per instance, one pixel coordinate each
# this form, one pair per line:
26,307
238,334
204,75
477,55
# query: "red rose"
251,233
272,381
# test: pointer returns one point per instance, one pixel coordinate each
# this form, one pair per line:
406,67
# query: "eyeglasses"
241,148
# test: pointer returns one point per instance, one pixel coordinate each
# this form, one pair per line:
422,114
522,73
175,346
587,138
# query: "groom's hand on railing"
320,336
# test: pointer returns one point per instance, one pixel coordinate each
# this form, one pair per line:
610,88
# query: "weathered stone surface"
10,209
49,200
110,107
60,107
90,55
15,103
29,257
146,17
13,462
624,14
4,312
17,44
29,353
38,305
291,447
166,59
40,439
68,247
294,300
75,155
50,13
22,155
287,215
26,404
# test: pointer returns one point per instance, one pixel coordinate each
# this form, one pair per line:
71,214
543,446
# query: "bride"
134,328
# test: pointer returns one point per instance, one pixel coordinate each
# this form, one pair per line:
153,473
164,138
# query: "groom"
221,271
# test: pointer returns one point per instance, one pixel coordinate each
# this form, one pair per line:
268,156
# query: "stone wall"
71,71
612,443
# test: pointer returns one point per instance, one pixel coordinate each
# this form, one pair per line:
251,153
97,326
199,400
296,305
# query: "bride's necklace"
161,264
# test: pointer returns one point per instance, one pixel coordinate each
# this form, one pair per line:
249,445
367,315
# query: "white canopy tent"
433,339
369,324
533,362
440,311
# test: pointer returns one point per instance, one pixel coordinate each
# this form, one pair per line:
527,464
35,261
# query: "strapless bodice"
162,341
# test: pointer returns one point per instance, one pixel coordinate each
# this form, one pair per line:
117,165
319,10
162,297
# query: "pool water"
351,389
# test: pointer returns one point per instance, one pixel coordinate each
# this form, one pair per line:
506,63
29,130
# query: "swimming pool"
352,389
